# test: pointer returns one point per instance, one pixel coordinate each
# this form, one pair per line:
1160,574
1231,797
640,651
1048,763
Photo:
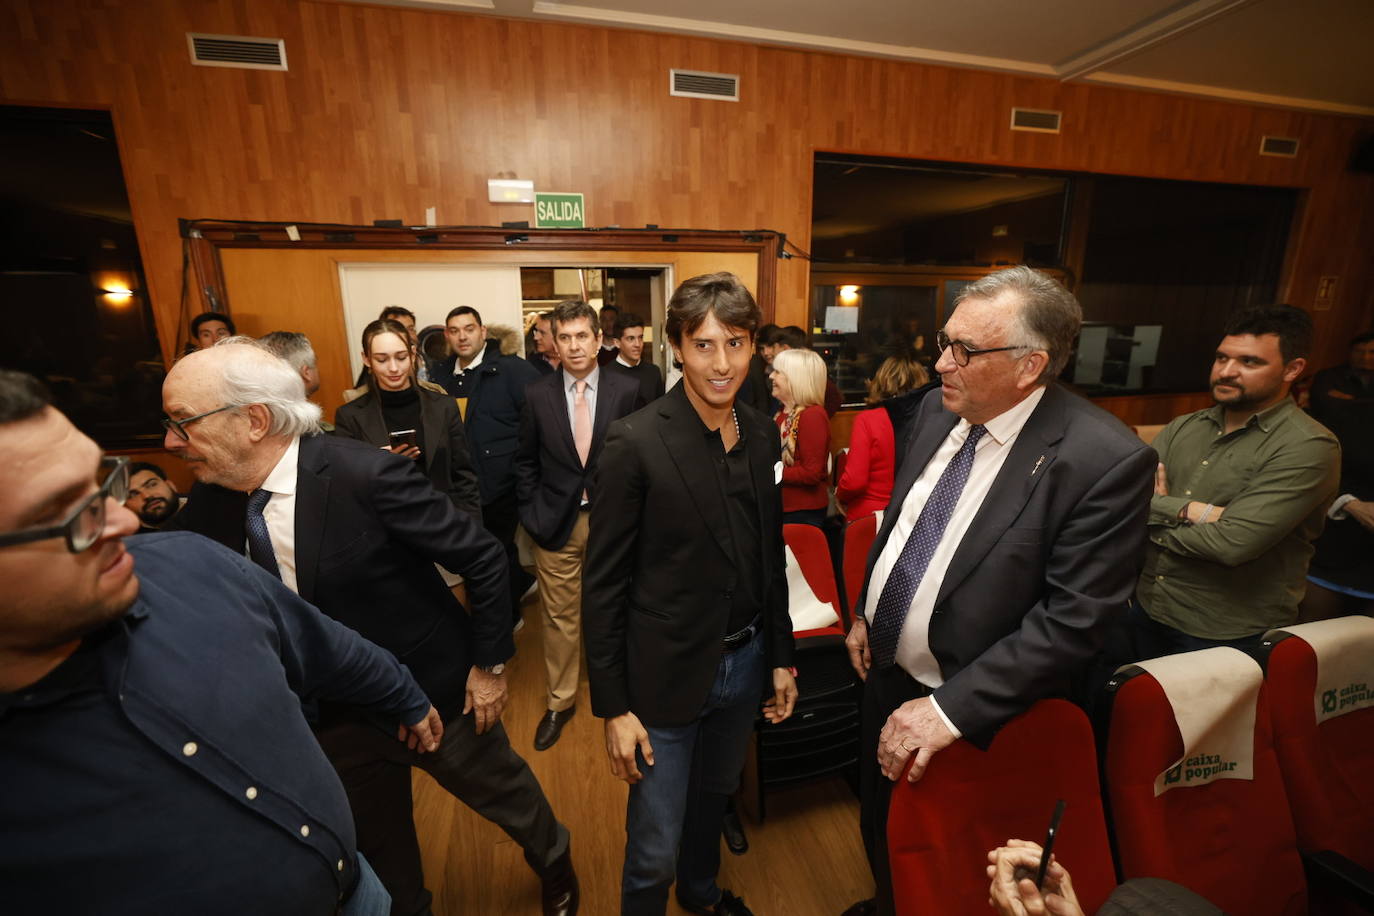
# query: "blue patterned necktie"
910,567
259,541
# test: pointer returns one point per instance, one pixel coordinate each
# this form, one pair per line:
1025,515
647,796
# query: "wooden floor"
805,860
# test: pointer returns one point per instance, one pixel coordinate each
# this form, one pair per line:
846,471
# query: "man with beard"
156,758
1240,495
151,496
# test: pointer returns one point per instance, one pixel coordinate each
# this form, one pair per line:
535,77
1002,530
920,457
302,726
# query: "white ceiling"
1304,54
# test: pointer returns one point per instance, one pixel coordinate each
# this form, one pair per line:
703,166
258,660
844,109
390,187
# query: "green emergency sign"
559,211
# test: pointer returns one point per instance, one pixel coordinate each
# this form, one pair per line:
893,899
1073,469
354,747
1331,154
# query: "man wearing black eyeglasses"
154,752
357,531
1014,534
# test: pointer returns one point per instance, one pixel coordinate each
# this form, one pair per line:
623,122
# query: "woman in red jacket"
866,484
799,384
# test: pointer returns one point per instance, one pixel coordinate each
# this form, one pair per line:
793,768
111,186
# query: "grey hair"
292,346
267,379
1049,316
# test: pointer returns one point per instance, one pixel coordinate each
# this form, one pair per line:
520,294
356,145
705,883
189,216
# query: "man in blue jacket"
150,719
490,389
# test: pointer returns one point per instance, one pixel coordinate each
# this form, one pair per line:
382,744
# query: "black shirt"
742,513
401,411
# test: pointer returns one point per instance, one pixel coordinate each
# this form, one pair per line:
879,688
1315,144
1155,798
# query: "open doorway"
639,291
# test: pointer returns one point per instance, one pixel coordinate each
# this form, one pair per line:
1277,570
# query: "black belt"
741,638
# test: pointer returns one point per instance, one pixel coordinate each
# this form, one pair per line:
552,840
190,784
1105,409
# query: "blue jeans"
672,822
369,898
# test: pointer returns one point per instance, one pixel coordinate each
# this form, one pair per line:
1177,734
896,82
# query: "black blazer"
492,420
369,529
1053,552
658,581
549,477
446,459
646,375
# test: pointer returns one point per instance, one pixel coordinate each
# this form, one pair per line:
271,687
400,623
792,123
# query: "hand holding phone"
1046,848
404,443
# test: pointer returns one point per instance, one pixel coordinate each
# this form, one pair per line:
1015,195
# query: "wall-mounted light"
118,293
849,294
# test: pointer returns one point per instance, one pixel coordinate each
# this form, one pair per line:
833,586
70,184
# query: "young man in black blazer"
630,360
685,607
561,431
357,531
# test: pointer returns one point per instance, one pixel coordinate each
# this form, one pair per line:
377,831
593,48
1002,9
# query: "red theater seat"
940,829
1328,769
1230,840
809,546
858,540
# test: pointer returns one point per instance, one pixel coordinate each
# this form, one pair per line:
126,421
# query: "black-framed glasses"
962,352
86,523
179,426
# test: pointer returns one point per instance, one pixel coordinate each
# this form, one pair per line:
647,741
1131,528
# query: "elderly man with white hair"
356,531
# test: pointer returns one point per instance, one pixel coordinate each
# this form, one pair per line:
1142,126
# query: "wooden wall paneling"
387,111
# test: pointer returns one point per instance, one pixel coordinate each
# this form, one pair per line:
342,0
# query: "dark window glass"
71,277
1162,263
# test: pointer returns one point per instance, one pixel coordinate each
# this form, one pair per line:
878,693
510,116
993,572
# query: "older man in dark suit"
1015,531
686,600
356,531
561,433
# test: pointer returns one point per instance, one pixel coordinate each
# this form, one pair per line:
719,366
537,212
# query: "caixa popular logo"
1329,701
1173,774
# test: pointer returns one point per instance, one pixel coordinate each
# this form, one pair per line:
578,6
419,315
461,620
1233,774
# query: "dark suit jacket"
646,375
492,421
369,529
658,580
445,458
1053,552
549,476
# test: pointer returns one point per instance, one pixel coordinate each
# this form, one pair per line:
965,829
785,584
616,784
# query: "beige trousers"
560,593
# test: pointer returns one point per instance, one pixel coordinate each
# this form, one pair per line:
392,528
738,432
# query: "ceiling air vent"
237,51
694,84
1035,119
1287,147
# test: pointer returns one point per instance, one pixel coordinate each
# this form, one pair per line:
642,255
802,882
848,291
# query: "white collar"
1009,422
476,360
282,477
590,378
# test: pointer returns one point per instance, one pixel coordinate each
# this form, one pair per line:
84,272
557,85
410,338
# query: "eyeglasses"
179,426
84,526
962,352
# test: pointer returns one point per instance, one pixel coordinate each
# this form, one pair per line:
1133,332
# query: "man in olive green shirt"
1240,494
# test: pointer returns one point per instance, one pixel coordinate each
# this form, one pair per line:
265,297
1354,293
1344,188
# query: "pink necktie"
582,421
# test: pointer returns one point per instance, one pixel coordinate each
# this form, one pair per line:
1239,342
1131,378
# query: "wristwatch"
498,668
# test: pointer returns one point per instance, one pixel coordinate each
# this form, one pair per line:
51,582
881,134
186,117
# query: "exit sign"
559,211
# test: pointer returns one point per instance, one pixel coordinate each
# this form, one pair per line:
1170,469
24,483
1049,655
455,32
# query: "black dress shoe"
550,727
559,893
728,905
735,839
867,907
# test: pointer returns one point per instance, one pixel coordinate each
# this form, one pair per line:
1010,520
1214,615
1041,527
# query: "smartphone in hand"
1046,849
403,437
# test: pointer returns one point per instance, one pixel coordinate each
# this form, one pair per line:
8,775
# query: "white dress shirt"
913,646
280,512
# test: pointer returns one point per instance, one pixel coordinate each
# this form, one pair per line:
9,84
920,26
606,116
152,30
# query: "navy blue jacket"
166,766
492,420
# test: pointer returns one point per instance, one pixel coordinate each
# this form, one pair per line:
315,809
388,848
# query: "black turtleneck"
401,410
